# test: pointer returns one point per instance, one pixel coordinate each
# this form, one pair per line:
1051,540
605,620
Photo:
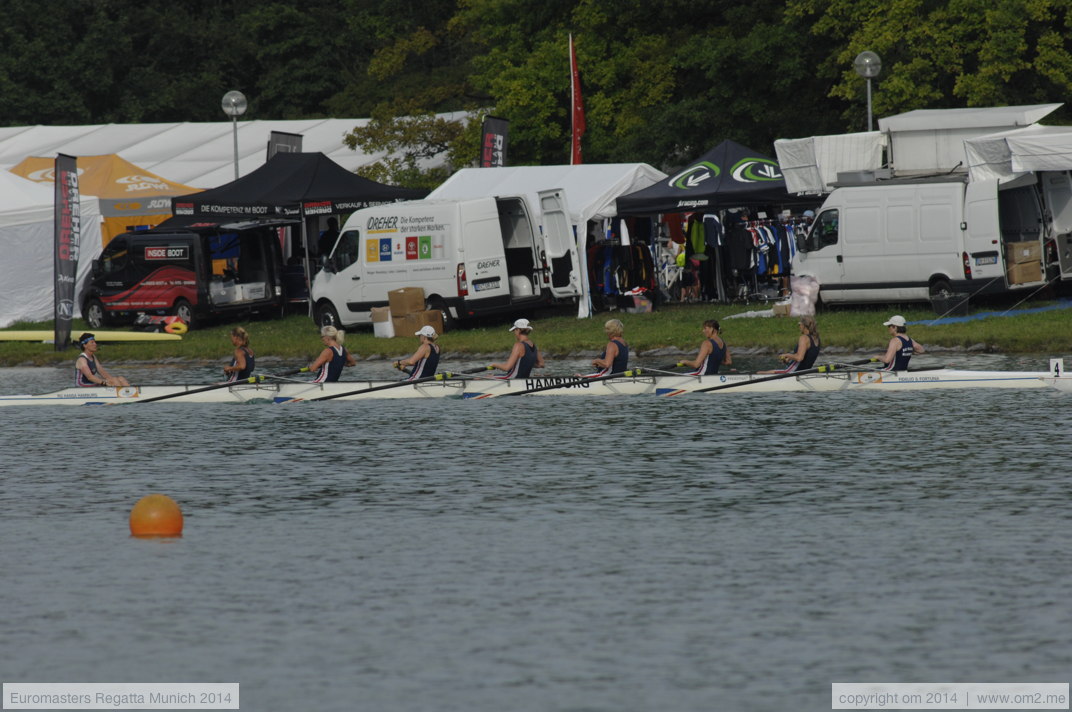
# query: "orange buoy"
156,515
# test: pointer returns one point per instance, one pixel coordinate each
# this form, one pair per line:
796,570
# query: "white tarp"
810,165
1009,154
196,154
932,140
590,189
27,246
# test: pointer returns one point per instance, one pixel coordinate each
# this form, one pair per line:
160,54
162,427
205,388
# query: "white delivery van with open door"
471,257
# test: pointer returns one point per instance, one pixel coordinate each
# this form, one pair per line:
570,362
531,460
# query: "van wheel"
437,304
95,315
940,286
184,311
327,315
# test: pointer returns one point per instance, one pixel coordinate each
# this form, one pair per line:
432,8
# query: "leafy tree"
945,54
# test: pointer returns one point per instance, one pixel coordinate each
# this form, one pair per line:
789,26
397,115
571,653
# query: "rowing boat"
637,383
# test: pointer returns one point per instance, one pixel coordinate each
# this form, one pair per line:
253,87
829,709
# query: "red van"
195,273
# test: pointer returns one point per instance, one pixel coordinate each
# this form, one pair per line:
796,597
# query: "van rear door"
982,238
1057,192
559,244
482,250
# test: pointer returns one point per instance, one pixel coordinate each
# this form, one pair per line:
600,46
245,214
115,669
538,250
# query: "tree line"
662,81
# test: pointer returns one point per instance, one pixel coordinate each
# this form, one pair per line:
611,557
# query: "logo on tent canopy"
47,175
694,176
137,182
751,170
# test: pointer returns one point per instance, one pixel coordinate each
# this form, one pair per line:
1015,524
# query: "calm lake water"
731,552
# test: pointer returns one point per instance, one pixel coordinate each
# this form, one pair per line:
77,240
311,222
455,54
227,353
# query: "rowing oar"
251,379
575,382
818,369
437,377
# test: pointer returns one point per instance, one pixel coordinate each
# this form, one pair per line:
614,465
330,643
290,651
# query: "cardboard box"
410,324
405,301
1023,273
383,329
781,309
1019,252
381,315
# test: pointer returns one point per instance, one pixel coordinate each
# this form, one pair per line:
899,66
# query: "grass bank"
295,339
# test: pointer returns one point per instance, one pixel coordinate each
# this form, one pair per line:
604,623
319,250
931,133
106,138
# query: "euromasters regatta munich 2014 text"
103,698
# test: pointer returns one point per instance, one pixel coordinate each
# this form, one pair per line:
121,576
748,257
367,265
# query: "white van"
911,240
471,257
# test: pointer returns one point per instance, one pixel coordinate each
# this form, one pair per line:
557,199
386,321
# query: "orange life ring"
177,327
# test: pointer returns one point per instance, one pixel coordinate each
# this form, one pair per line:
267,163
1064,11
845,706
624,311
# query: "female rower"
901,346
807,350
615,357
425,360
88,370
524,356
243,361
713,352
333,358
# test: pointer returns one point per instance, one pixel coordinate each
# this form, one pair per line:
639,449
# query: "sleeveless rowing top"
811,354
79,378
620,362
427,366
524,365
900,359
330,371
247,371
713,360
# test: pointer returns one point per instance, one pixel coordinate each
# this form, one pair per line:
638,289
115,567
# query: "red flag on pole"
576,106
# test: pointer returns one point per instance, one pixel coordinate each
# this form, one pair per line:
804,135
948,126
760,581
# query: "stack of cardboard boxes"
1024,260
406,314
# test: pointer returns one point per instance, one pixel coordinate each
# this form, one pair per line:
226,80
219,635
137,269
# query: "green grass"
295,340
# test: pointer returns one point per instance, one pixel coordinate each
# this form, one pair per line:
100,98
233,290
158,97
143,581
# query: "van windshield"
346,249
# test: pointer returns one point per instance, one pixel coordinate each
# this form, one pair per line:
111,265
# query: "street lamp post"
868,65
234,105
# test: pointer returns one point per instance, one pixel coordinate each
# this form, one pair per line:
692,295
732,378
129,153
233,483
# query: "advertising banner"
493,142
68,231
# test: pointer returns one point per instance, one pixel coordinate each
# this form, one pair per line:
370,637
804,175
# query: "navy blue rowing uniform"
713,361
900,358
79,379
330,371
245,372
524,365
620,362
427,366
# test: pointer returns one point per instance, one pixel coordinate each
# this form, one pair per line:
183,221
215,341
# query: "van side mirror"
802,243
95,268
327,264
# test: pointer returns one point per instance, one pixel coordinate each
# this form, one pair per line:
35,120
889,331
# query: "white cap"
809,213
520,324
896,320
426,331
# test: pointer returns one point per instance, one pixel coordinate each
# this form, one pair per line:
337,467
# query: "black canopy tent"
728,176
288,185
291,185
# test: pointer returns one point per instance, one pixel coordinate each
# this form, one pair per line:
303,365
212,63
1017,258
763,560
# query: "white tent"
197,154
590,189
27,245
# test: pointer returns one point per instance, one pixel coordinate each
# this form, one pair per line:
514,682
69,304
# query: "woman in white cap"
524,356
329,364
901,346
425,360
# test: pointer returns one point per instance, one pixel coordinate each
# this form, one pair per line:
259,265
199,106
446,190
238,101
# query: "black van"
195,273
